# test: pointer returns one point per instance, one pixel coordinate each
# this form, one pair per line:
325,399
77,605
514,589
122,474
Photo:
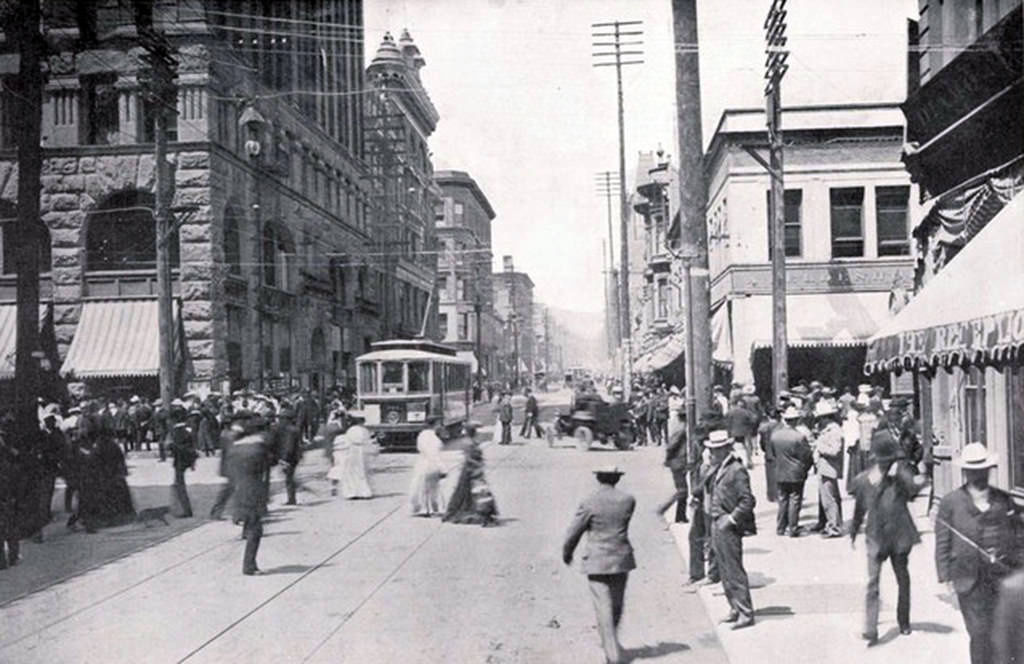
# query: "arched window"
8,218
121,234
232,241
278,252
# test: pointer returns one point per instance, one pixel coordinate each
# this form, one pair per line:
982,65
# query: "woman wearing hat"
882,493
425,493
977,544
351,448
472,501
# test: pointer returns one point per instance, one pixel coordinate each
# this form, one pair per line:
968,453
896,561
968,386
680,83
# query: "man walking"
977,544
732,518
677,461
882,493
530,418
505,417
289,438
792,458
239,421
604,516
248,462
182,444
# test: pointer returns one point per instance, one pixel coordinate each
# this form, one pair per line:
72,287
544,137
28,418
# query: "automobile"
592,418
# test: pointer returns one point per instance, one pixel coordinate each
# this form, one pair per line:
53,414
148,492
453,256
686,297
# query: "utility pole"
620,29
607,186
692,204
22,21
775,65
157,78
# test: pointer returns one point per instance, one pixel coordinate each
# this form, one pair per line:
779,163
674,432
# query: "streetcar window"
438,378
419,376
392,376
368,378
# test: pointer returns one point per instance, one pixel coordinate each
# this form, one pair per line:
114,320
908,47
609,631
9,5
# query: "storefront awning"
468,355
721,336
972,311
665,351
116,339
9,335
821,319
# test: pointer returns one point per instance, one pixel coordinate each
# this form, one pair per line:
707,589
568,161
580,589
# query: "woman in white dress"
350,451
425,494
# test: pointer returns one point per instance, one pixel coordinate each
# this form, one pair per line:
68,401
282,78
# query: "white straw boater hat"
718,438
610,469
976,457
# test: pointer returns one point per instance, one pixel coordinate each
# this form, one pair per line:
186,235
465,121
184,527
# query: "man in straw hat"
828,460
881,493
604,516
792,457
732,517
977,543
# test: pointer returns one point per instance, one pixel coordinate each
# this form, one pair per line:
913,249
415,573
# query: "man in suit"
732,517
741,424
828,460
530,420
505,417
249,461
977,544
792,458
677,461
881,493
604,516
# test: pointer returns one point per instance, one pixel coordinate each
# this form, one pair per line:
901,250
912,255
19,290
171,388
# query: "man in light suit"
604,515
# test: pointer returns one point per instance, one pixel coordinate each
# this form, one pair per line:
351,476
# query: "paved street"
362,581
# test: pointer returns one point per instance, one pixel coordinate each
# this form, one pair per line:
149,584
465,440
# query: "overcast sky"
524,112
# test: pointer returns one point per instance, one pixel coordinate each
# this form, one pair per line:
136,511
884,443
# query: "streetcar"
403,384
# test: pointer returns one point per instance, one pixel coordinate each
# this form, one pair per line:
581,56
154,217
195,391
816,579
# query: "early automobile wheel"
584,437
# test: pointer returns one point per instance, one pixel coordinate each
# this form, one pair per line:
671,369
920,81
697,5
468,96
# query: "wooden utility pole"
621,57
158,81
607,189
22,23
775,38
692,204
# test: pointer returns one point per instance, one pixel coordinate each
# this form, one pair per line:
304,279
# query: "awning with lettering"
971,312
117,339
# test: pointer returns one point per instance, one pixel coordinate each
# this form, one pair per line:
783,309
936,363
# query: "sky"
525,113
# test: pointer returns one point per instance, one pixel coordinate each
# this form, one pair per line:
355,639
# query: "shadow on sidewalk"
660,649
931,627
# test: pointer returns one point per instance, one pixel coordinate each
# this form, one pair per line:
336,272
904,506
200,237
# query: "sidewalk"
808,595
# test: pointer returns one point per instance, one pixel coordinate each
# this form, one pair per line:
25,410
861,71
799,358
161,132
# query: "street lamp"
253,124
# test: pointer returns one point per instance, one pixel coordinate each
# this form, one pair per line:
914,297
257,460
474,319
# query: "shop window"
121,234
891,212
847,220
1015,406
100,122
793,202
974,406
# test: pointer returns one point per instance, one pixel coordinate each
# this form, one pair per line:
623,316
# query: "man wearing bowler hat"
732,517
791,453
977,544
604,515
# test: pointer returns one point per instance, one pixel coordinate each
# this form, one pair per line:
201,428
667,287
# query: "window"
442,325
10,250
283,341
419,376
276,257
147,119
458,210
392,376
99,110
793,203
662,297
368,378
460,289
847,222
439,218
121,234
1015,407
463,327
232,242
974,405
442,287
891,212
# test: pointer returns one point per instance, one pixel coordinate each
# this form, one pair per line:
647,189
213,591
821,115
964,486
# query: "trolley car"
403,384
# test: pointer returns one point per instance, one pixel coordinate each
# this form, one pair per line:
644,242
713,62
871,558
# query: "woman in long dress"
472,501
350,451
425,494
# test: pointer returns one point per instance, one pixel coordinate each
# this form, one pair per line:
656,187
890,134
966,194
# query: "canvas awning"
665,351
721,336
972,311
116,339
468,355
820,319
9,335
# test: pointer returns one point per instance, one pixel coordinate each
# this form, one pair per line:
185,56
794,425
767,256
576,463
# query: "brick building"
513,303
272,192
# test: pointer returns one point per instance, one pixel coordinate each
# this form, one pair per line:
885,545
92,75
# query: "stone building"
513,303
272,195
465,294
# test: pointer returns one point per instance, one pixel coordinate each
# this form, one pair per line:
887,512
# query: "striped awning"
9,336
822,319
116,339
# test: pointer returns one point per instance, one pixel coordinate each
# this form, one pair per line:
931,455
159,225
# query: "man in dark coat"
505,417
792,458
977,544
49,459
732,517
160,424
289,438
248,462
881,493
11,492
182,444
239,421
741,423
531,415
604,516
677,461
